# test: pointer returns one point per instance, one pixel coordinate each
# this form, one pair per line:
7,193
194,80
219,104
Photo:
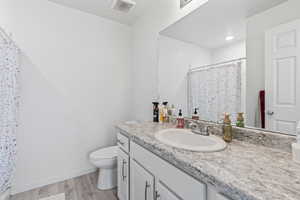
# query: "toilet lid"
105,153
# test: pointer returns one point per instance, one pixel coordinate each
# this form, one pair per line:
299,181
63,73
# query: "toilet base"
5,195
107,179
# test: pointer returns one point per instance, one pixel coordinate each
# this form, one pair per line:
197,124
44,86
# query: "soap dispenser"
180,120
195,115
227,129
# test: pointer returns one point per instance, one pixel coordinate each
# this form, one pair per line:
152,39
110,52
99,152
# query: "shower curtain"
216,90
9,69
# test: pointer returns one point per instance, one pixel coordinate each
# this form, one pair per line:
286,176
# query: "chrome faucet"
196,128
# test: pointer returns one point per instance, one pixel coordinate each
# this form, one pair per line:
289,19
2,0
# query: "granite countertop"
243,171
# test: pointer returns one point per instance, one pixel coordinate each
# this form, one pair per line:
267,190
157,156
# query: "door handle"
146,190
123,169
269,112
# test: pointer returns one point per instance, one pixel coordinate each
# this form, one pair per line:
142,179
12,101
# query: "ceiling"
102,8
210,24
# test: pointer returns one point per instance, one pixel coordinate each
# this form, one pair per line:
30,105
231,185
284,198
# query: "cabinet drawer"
123,142
184,186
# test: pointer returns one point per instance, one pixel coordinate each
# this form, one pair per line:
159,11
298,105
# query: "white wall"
232,51
145,50
175,59
256,27
76,83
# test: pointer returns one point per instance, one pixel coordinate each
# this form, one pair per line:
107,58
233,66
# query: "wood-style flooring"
80,188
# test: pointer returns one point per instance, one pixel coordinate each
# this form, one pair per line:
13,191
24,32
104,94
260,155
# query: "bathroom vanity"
143,175
151,170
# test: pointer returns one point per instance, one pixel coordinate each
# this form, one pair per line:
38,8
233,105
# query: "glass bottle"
240,120
155,112
227,129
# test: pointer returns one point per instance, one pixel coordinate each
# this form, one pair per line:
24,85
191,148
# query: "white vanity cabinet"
123,170
144,176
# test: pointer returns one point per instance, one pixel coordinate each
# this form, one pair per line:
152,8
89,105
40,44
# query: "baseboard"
5,195
49,181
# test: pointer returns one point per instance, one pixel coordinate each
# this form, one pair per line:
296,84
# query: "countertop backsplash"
254,136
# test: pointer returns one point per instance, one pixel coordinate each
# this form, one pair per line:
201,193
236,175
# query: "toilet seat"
106,153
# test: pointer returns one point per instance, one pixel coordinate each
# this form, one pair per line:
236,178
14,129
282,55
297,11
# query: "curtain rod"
3,33
6,36
211,65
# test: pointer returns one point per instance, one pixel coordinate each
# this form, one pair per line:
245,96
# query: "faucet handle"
206,128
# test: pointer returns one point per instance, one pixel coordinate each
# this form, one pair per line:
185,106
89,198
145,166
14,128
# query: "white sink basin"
185,139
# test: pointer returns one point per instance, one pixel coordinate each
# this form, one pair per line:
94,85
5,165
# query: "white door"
283,77
164,193
141,183
123,175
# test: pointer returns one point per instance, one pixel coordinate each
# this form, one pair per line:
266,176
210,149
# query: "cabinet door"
123,175
164,193
141,183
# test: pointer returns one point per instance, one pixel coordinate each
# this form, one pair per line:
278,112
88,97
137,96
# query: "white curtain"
9,69
216,90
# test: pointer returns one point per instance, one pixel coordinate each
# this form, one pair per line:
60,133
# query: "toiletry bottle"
240,120
161,114
180,120
195,115
227,129
169,114
173,110
170,111
173,117
155,112
165,112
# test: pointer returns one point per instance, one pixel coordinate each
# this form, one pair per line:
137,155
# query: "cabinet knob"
269,112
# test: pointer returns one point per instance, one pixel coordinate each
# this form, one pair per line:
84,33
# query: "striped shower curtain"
9,69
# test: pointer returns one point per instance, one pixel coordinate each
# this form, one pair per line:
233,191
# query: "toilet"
106,161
